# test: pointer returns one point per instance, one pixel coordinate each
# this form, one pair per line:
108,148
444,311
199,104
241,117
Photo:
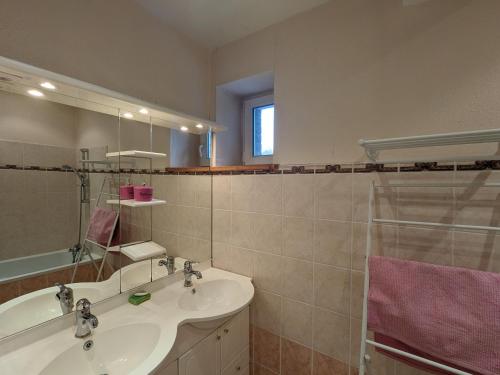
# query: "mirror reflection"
48,192
92,203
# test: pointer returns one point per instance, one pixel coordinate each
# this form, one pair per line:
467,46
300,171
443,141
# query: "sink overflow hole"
88,345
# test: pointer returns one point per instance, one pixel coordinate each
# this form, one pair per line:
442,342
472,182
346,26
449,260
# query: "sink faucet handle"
83,305
188,265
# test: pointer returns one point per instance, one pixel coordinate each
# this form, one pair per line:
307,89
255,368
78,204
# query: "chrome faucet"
75,251
65,297
85,321
169,263
189,272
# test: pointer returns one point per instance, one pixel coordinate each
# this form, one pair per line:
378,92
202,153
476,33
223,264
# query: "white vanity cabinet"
224,352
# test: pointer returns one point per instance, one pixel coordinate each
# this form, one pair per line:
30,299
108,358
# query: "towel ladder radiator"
364,357
87,241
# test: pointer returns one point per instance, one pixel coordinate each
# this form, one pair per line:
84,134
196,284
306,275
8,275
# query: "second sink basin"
116,351
219,293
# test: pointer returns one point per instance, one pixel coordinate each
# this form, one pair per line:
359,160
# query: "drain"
193,291
88,345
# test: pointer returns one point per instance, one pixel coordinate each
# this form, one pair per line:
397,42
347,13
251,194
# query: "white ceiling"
214,23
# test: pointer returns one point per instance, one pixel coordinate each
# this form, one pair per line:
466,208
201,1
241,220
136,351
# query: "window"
259,125
263,130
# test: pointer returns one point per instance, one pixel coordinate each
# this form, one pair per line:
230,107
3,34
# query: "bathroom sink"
116,351
206,295
39,306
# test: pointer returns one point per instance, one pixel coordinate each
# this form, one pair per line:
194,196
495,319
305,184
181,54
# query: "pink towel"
102,225
450,314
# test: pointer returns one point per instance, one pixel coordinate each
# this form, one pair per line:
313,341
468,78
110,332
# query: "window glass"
263,130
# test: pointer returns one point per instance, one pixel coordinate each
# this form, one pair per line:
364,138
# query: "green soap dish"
138,298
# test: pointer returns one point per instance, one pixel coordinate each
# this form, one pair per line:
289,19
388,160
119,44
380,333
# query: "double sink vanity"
188,330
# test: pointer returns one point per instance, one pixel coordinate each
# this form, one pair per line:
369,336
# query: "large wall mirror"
91,196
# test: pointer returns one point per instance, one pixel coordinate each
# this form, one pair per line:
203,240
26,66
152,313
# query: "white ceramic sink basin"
207,295
116,351
132,340
39,306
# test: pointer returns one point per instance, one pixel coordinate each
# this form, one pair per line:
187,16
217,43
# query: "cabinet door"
202,359
171,369
234,338
240,365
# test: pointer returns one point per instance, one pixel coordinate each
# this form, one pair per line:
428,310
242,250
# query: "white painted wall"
368,69
116,44
229,142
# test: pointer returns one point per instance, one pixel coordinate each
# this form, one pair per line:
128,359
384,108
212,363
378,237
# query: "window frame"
248,129
260,107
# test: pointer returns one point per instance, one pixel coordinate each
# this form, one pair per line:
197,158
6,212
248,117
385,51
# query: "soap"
138,298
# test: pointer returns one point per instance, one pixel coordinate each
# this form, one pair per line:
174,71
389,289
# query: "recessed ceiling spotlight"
184,128
36,93
48,85
128,115
199,126
144,111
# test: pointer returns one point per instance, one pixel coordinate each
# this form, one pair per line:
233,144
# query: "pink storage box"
143,193
126,192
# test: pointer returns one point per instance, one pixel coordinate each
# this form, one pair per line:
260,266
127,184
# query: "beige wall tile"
333,196
221,253
267,311
222,192
187,190
425,245
241,261
203,187
331,334
267,233
298,238
187,220
298,280
298,195
11,180
242,188
332,288
267,194
384,242
480,251
332,243
35,181
221,226
357,292
267,271
297,321
170,189
426,204
242,229
203,223
385,199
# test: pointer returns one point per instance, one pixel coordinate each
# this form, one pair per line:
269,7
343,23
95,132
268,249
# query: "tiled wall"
302,238
39,205
184,224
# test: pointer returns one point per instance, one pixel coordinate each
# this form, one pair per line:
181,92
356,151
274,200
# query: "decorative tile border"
295,169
